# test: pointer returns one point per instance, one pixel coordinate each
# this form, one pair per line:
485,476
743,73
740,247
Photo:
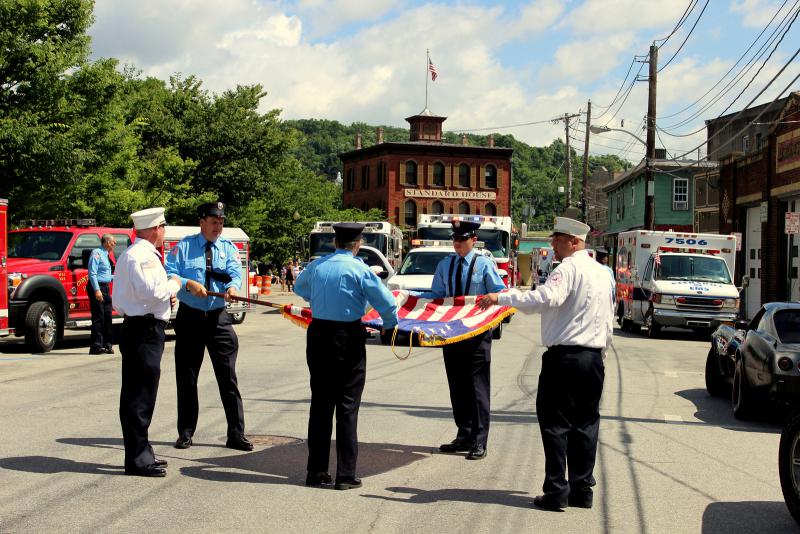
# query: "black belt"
205,313
328,322
147,318
572,349
103,283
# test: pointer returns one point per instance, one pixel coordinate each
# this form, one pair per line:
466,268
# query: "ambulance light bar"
58,222
468,218
440,243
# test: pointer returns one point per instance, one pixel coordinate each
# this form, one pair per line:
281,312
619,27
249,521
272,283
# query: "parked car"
758,360
789,463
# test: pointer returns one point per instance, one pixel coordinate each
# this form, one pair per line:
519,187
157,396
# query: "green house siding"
634,208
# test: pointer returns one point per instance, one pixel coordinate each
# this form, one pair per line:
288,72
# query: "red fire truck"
4,330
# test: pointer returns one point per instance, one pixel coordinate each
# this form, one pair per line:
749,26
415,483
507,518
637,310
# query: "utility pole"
585,194
650,154
566,118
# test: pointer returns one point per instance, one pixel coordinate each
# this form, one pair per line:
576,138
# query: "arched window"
411,172
411,213
365,177
490,177
438,174
490,210
351,180
463,208
463,175
437,208
381,173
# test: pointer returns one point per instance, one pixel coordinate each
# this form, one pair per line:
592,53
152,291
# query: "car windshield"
374,240
495,241
38,245
422,262
694,268
787,325
370,258
322,244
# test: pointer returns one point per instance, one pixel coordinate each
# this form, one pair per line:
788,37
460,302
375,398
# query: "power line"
627,94
686,13
687,38
501,127
734,65
621,86
728,87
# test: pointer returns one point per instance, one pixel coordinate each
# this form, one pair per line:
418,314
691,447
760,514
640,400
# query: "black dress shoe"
546,503
240,443
581,501
457,445
319,478
347,483
151,470
478,452
183,442
108,350
97,350
160,462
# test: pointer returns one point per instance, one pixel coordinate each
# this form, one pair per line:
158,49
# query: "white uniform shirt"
140,282
576,303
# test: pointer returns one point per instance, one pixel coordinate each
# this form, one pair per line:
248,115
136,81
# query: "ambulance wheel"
497,333
653,328
41,327
238,318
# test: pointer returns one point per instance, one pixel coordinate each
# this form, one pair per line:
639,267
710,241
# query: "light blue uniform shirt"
187,259
484,278
99,268
339,286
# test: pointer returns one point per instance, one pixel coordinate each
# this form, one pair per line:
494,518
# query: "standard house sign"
443,193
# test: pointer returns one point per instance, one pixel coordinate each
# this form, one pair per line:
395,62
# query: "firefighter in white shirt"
576,304
143,294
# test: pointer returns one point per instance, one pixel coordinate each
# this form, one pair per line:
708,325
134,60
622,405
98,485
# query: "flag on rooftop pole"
432,70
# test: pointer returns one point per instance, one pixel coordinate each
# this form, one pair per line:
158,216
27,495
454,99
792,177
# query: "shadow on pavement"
517,499
50,465
717,411
748,516
286,464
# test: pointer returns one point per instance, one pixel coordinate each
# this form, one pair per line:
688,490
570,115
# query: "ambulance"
675,279
497,233
173,235
381,235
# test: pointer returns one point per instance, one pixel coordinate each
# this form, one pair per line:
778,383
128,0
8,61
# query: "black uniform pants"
102,333
568,409
468,364
141,346
195,331
337,363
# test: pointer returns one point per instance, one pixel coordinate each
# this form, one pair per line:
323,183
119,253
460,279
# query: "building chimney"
358,141
490,140
464,139
379,135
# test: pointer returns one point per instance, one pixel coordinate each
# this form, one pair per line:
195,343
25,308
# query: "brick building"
597,204
757,189
426,175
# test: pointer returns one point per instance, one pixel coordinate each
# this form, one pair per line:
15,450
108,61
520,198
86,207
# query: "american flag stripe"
432,70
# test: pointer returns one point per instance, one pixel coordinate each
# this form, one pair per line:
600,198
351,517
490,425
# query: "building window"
490,210
411,213
364,207
490,177
680,194
463,175
746,144
438,174
351,180
365,177
411,173
437,208
382,205
633,195
381,179
619,203
759,142
463,208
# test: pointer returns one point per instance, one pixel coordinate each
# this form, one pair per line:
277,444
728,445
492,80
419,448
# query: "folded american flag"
435,322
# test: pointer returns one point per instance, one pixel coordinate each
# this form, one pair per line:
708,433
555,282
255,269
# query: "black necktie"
209,259
459,285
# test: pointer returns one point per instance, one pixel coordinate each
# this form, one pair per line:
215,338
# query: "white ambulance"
675,279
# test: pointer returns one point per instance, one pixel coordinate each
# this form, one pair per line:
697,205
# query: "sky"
499,64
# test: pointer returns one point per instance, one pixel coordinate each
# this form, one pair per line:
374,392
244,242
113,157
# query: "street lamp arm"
604,129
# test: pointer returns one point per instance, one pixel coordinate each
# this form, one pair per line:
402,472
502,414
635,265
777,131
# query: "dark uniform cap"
464,228
346,232
211,209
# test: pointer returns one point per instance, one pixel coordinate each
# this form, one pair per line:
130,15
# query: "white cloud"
609,16
756,13
326,16
588,60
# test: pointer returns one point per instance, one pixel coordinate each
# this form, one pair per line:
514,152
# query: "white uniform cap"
149,218
565,225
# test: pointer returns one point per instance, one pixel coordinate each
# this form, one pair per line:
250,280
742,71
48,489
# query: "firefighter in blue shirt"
339,286
100,277
467,363
207,262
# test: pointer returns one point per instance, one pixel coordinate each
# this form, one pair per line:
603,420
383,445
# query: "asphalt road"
671,458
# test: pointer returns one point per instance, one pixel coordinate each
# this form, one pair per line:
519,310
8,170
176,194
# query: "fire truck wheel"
238,318
41,327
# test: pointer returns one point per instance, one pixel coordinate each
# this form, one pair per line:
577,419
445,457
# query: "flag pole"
427,63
